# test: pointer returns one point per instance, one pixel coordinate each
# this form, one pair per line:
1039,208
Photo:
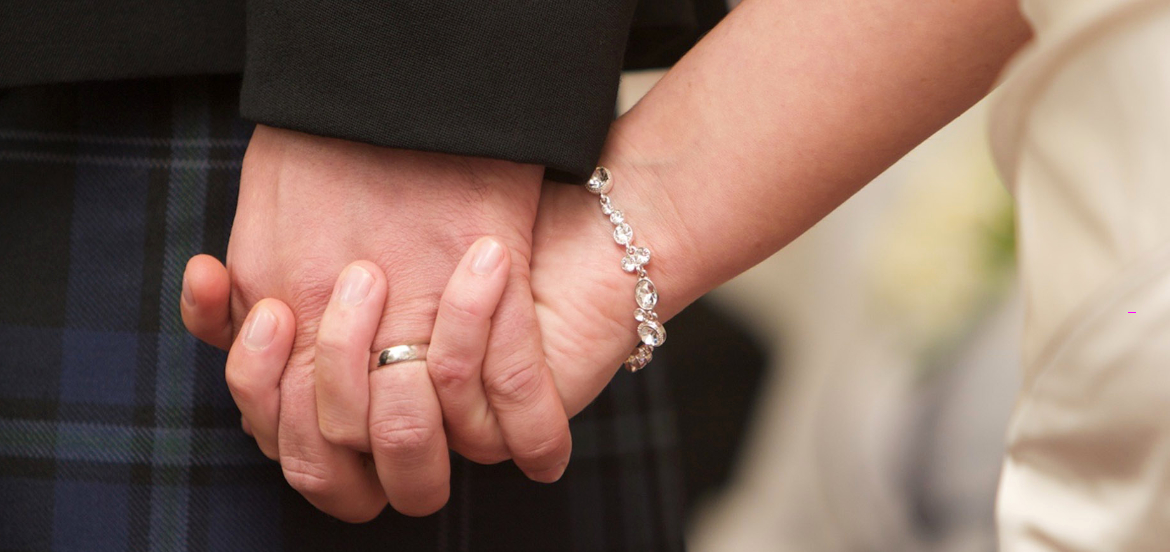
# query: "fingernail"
188,297
261,329
549,476
488,254
355,285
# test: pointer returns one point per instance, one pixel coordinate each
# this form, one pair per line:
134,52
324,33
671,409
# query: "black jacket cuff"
532,82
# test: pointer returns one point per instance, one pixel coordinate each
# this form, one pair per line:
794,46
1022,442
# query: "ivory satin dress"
1081,133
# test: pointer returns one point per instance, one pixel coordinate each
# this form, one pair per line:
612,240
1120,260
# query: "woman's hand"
584,300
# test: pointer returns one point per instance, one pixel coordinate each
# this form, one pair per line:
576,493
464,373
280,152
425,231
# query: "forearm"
784,111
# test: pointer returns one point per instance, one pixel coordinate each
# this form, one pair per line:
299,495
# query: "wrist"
646,183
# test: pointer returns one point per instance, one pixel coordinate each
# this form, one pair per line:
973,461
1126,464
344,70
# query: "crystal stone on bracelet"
623,234
636,257
641,356
645,294
629,264
651,332
600,182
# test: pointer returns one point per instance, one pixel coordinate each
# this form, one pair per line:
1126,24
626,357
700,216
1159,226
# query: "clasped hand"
340,250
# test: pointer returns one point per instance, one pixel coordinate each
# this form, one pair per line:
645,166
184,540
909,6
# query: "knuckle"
242,384
549,449
517,384
314,284
306,478
246,283
463,309
449,370
331,345
342,434
402,436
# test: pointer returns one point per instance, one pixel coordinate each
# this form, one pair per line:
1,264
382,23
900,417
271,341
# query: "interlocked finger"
255,364
344,339
457,349
521,390
407,438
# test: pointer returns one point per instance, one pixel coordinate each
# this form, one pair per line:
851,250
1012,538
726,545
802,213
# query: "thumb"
204,303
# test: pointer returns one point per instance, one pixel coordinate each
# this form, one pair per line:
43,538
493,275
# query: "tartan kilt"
117,431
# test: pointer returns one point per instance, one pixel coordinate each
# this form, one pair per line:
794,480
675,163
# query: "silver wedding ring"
402,353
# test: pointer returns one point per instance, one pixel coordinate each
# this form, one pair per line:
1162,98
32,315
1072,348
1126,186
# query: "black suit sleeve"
533,81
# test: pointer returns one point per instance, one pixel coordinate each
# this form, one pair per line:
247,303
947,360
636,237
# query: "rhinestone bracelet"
650,330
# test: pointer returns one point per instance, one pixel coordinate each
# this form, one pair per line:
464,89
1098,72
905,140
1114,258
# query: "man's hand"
584,302
310,206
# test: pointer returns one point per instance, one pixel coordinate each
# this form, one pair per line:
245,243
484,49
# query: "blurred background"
887,338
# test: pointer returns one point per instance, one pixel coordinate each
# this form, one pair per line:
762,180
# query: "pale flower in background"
944,251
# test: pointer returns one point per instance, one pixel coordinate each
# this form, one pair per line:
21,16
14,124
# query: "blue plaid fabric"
116,428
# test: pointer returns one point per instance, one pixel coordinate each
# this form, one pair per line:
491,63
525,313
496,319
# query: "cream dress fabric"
1081,133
